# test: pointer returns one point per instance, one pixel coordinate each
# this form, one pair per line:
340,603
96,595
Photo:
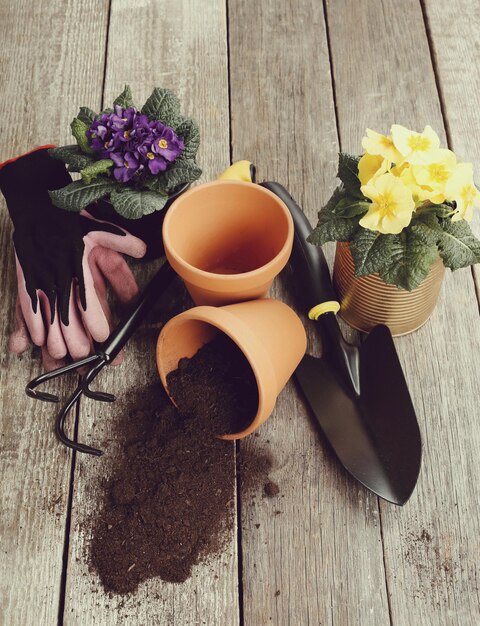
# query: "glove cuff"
13,159
26,180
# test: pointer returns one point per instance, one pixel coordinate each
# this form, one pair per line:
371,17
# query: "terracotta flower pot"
368,301
269,333
228,240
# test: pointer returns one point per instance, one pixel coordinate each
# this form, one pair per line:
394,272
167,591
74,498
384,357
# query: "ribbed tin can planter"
368,301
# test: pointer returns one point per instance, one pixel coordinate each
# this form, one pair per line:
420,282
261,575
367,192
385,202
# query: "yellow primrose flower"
392,205
434,176
460,188
405,173
416,148
371,165
375,143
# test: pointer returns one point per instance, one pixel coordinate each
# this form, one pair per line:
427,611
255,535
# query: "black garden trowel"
358,394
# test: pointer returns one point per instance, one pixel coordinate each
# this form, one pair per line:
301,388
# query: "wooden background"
284,84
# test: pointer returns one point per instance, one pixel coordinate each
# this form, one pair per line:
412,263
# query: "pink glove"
62,262
101,261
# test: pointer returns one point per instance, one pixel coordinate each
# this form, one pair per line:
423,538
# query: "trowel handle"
312,276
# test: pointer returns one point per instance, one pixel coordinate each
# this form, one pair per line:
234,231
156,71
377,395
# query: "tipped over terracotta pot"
268,332
227,239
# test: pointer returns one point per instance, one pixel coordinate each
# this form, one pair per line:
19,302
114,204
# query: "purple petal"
121,174
169,155
157,165
131,160
117,158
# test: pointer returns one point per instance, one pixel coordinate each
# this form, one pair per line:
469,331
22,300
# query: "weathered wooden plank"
453,30
313,555
51,58
183,48
383,74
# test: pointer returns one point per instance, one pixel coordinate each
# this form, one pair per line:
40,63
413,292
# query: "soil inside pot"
216,384
169,503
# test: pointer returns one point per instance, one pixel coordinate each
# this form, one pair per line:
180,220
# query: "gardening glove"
62,261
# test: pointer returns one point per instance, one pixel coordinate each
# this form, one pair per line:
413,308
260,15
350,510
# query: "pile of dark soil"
170,501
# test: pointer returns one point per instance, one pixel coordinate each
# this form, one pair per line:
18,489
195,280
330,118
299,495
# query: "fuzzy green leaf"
91,172
125,99
349,207
403,260
163,105
368,250
190,133
348,173
79,130
408,260
427,225
133,204
180,172
86,115
457,244
72,156
78,195
330,226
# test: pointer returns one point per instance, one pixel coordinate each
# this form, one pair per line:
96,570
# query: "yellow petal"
370,191
419,193
437,197
371,165
380,145
432,135
392,204
400,135
416,148
462,175
370,220
436,175
461,189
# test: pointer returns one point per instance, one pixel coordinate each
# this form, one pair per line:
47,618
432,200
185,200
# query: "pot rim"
269,270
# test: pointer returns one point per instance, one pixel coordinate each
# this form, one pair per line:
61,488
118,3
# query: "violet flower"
167,143
127,166
133,142
122,118
155,162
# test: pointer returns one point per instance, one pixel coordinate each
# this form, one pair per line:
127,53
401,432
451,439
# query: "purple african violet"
133,142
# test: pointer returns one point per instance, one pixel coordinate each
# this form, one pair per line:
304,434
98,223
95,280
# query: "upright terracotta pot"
269,333
227,239
368,301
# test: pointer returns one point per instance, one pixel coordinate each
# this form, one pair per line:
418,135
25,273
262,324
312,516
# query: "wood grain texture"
383,74
332,551
454,38
51,58
313,555
183,48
